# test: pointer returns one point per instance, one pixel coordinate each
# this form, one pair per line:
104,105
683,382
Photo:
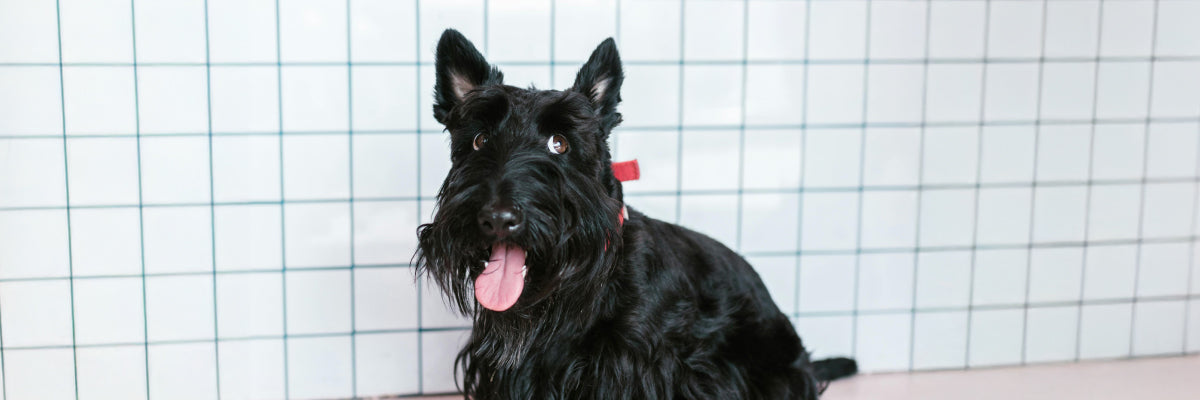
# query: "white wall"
922,185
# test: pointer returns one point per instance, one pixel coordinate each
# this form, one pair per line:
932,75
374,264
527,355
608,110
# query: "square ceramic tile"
248,237
384,364
385,298
99,100
895,93
773,159
885,281
581,26
316,167
769,222
108,311
36,23
882,342
658,207
39,374
650,95
439,350
1164,204
246,168
655,25
940,340
1059,214
943,279
436,312
37,313
383,97
538,76
42,181
102,171
1193,338
170,31
106,241
776,30
320,367
1118,151
956,29
1113,212
175,170
244,98
1163,269
709,160
1176,89
1172,150
1072,28
999,277
826,283
832,158
1110,272
95,31
1104,331
837,30
435,163
826,336
712,215
518,31
1051,334
892,157
1158,328
778,274
1007,154
315,98
467,16
316,235
1123,90
252,369
179,308
34,105
712,94
312,31
382,31
1014,29
1012,92
835,93
829,221
384,232
183,371
1055,274
1128,28
1004,215
657,155
318,302
242,31
766,104
172,99
954,92
714,30
249,305
889,219
1067,90
1174,25
950,155
995,338
947,217
898,29
35,244
111,372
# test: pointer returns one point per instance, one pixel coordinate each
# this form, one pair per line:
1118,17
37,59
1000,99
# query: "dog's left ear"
460,69
600,80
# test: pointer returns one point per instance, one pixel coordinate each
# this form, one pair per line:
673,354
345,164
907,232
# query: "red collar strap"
625,171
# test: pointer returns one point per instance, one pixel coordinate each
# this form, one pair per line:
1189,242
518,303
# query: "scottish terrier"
573,295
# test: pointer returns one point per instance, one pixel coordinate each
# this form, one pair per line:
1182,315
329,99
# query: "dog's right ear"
460,69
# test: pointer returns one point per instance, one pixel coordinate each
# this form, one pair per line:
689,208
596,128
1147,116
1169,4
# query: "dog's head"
529,209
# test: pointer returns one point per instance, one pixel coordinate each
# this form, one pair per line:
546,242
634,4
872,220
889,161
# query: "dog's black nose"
499,220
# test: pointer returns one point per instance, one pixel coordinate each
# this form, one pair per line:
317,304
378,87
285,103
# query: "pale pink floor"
1151,379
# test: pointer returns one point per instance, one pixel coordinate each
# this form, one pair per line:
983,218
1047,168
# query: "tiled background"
218,198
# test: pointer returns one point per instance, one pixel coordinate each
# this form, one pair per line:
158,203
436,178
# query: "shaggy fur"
639,310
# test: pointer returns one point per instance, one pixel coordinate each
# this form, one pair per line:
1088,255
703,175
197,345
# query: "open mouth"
503,277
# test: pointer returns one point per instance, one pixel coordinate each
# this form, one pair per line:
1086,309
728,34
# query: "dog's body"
577,299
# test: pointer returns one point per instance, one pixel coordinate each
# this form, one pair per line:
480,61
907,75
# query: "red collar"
625,171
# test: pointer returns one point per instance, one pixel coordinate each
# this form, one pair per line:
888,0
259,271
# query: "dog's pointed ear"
460,69
600,80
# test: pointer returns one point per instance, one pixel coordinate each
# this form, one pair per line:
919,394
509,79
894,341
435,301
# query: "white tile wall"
246,194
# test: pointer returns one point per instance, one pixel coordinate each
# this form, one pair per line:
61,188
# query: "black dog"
579,299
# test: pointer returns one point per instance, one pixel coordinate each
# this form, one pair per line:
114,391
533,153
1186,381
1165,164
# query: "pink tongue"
500,284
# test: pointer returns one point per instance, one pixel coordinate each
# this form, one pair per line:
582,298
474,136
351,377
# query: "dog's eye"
558,144
480,139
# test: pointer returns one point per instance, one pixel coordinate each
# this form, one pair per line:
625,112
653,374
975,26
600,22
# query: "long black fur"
640,310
